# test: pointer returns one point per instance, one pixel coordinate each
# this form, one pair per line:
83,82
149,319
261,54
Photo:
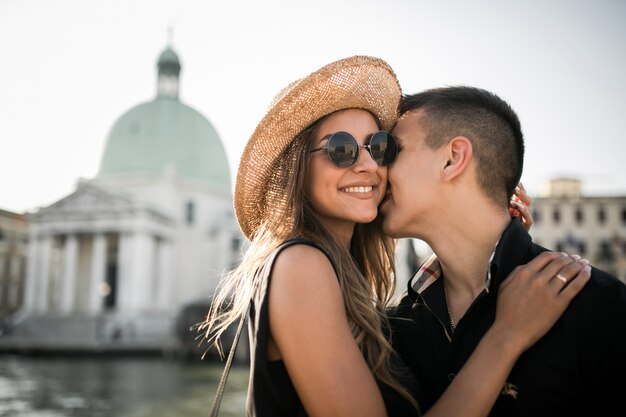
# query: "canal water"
36,386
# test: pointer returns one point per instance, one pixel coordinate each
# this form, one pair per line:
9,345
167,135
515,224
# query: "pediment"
92,197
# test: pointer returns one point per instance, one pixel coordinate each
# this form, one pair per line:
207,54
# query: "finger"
545,270
522,195
565,275
575,285
554,267
542,260
532,269
524,215
522,208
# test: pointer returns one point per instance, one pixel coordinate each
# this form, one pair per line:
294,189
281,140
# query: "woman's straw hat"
359,82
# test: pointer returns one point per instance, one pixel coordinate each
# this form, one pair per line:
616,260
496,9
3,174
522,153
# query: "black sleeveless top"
270,390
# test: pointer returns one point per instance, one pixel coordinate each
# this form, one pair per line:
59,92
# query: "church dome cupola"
169,74
165,136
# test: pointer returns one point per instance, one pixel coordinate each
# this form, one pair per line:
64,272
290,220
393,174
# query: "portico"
98,261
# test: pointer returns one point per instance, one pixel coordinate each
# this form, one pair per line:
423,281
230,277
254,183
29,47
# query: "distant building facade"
593,227
13,255
564,220
112,265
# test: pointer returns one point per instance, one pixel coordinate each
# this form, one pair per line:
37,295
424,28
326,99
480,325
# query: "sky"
71,68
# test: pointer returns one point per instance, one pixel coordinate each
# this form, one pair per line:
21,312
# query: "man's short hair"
487,121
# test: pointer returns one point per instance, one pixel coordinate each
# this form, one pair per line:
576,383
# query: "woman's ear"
459,155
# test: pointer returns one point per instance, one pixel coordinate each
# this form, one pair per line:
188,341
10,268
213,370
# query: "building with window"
593,227
112,265
564,220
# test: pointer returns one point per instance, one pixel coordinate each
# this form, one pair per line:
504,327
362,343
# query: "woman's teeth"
358,189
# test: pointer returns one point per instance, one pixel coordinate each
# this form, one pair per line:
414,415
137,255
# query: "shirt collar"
513,242
430,271
427,274
511,250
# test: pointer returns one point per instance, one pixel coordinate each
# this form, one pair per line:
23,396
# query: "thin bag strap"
229,362
263,271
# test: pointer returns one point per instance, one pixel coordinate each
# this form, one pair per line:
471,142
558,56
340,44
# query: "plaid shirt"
430,271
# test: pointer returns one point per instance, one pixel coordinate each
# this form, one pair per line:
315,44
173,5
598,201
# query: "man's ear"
459,154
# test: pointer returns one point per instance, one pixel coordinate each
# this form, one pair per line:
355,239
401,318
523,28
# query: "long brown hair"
365,271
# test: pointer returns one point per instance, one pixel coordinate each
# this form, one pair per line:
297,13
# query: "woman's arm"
530,301
311,334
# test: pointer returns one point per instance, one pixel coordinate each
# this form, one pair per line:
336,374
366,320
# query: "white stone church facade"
112,265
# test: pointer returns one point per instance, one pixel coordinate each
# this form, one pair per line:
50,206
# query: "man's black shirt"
577,369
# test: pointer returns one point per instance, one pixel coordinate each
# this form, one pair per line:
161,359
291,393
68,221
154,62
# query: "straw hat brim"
360,82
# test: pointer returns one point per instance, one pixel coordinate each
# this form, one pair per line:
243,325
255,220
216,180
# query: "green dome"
152,138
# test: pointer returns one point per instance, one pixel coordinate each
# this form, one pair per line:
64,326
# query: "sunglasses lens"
383,148
342,149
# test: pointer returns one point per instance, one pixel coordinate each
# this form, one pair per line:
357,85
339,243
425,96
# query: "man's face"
413,179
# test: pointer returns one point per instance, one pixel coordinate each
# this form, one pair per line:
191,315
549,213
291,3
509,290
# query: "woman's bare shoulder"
303,267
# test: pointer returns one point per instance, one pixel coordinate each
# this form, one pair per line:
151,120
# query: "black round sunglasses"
343,149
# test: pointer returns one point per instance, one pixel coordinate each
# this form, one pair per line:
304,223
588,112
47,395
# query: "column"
124,272
70,262
98,269
30,295
165,287
44,276
142,271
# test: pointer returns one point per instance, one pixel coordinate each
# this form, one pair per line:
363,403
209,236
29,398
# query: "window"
605,252
536,216
582,248
624,215
579,215
190,213
559,247
556,215
601,215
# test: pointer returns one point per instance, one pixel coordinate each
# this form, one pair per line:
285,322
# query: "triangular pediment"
91,197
